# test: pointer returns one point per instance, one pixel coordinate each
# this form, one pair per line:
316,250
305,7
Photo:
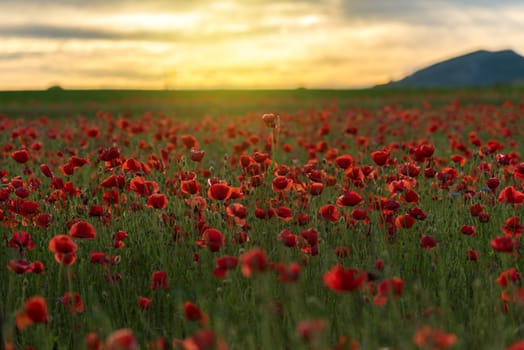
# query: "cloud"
52,31
250,43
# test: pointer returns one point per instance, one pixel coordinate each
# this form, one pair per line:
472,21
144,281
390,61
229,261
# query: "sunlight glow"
155,21
238,44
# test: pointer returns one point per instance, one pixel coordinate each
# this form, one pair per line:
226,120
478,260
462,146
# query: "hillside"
480,68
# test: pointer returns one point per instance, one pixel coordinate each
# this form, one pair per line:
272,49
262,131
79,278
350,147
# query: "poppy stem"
274,138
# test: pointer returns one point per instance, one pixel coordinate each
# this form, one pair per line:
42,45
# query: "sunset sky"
192,44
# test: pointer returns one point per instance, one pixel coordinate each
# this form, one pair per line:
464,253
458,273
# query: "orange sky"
242,43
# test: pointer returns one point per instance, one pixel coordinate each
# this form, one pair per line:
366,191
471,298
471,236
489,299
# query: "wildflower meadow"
262,220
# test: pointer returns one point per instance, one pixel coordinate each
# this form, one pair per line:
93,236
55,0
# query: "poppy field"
288,221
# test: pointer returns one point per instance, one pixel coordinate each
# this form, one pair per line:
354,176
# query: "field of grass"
305,219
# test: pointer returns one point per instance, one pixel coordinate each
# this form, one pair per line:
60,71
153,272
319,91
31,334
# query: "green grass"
260,312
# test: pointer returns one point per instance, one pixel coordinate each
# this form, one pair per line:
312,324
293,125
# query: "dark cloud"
56,32
12,56
42,31
416,11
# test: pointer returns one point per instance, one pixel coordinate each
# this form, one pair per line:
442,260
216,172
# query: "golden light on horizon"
238,44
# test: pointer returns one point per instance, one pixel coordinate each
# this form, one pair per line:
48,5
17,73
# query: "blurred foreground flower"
34,311
427,337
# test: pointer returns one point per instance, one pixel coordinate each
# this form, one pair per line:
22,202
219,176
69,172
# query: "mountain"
478,68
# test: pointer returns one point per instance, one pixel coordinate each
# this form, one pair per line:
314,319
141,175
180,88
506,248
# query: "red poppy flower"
78,162
380,157
34,311
82,229
475,209
302,219
223,264
203,339
447,176
111,197
213,239
329,213
25,207
193,313
252,261
109,154
237,210
512,227
44,220
288,238
342,252
267,213
158,280
285,213
93,132
509,276
519,345
429,173
64,249
67,169
260,157
19,266
98,258
404,221
157,201
518,172
144,303
468,230
57,182
271,120
409,169
503,244
390,287
114,181
143,187
493,183
311,236
227,262
118,239
349,199
428,242
379,264
473,255
484,217
21,240
344,161
433,338
92,341
359,215
281,184
122,339
511,196
190,186
196,155
219,191
410,196
340,280
189,141
420,153
46,171
96,211
288,274
73,302
20,156
458,159
132,165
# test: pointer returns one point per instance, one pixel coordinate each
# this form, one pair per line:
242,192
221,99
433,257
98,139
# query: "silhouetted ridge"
478,68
